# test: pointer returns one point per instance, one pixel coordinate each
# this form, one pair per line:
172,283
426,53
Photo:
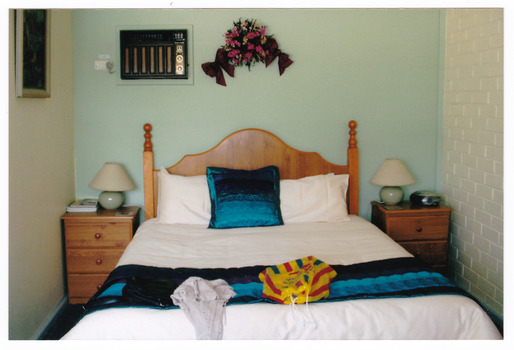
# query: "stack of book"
82,206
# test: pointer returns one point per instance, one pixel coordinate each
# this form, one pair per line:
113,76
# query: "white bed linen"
350,242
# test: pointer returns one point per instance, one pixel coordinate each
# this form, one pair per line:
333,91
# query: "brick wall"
472,178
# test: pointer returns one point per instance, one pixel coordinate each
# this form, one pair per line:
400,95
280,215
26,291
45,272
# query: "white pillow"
183,199
319,198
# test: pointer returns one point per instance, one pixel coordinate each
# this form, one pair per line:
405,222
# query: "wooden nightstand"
94,243
423,231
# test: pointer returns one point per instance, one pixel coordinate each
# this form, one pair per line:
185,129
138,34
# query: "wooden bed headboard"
251,149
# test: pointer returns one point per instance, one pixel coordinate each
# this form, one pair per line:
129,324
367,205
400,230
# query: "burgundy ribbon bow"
214,69
274,51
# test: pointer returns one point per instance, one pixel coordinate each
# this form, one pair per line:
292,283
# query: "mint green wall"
379,67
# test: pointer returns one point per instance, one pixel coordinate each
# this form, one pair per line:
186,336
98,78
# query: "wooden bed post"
353,165
148,177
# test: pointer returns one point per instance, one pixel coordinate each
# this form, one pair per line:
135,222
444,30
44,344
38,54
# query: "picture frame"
32,50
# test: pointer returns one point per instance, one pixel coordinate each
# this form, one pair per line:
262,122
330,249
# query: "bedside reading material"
83,205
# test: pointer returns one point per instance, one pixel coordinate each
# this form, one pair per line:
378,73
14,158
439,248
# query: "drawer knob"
98,261
98,235
419,228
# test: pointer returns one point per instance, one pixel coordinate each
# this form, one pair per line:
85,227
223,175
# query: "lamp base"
111,200
391,195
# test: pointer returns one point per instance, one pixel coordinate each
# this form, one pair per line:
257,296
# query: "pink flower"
259,48
251,46
253,35
233,53
248,55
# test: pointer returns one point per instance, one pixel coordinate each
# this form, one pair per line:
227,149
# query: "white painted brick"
479,122
489,56
473,226
485,164
495,125
475,201
497,196
464,97
465,258
498,168
470,135
472,169
496,41
477,149
457,36
493,237
498,140
480,98
494,153
492,28
470,276
496,69
456,110
483,191
466,210
486,112
454,133
459,220
473,32
496,97
481,70
482,217
495,209
486,137
486,286
462,171
481,43
463,146
488,261
478,177
460,195
469,160
497,224
489,84
494,181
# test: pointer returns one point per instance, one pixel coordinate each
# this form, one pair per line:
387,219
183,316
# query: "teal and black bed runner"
145,286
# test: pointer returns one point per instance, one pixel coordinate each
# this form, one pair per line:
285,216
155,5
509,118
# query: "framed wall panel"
154,55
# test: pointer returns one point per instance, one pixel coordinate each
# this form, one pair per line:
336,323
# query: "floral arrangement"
246,43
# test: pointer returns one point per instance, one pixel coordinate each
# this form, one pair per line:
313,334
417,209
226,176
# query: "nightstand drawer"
99,235
92,261
84,286
432,252
418,228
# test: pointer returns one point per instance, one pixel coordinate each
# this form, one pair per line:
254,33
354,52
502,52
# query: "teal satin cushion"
244,198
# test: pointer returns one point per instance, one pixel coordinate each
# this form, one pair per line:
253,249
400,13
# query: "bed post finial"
148,137
352,142
148,176
353,163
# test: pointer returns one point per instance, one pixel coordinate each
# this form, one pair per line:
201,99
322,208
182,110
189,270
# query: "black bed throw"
145,286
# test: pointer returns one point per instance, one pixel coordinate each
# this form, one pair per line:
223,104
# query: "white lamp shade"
112,177
392,172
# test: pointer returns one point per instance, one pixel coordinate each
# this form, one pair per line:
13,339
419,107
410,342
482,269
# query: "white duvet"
349,242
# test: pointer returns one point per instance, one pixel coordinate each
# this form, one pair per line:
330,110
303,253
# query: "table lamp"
112,179
391,175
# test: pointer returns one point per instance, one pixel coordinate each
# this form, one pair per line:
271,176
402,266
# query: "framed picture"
32,47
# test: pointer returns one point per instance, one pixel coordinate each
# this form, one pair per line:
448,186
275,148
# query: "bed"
305,208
